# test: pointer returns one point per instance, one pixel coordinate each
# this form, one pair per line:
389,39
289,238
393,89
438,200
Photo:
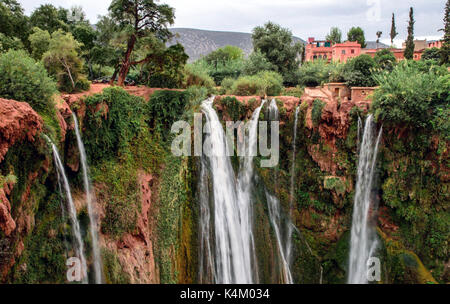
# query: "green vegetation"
264,83
113,119
411,97
164,108
23,79
357,34
409,50
277,45
335,35
316,113
62,61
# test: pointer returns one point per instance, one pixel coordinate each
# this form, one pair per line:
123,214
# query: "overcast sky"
305,18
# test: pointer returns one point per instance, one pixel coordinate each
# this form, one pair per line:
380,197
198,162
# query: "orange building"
344,51
324,50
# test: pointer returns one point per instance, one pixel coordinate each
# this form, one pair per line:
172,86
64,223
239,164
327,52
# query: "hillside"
201,42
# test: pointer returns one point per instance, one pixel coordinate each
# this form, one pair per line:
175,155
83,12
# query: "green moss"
112,269
334,183
316,113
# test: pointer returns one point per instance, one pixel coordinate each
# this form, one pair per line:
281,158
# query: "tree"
359,71
276,44
385,59
24,79
224,55
431,54
335,35
62,60
409,50
256,63
85,34
13,22
39,43
357,34
393,29
379,33
445,50
140,18
47,17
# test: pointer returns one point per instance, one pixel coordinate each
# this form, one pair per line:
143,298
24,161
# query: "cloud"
304,18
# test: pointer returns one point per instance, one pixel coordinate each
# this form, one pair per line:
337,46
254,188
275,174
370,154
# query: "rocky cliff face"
146,198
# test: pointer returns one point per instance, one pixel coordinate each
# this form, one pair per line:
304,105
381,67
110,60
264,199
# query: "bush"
385,59
359,71
10,43
113,119
256,63
316,113
227,85
264,83
197,75
247,86
313,73
164,108
23,79
273,82
411,97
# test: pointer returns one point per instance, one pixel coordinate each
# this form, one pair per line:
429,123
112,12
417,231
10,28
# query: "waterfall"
283,239
62,180
363,235
206,269
89,201
235,258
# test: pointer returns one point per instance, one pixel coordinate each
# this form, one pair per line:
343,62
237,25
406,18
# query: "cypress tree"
393,29
409,50
445,50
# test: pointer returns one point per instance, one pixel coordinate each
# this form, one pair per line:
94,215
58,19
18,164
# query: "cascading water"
206,270
363,235
234,258
62,180
89,201
283,239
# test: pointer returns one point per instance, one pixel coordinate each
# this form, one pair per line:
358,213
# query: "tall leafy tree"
13,22
357,34
39,43
393,29
445,50
409,50
140,19
335,35
62,60
49,18
276,44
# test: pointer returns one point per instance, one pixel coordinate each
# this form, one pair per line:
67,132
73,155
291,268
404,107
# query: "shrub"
264,83
385,59
227,85
23,79
359,71
164,108
256,63
113,119
411,97
313,73
316,113
431,54
197,75
247,86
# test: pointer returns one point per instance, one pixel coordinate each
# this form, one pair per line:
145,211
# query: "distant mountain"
198,43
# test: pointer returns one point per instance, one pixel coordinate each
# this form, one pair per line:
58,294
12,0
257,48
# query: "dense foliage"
23,79
410,96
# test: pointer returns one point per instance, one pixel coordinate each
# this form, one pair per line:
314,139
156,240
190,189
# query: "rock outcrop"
18,122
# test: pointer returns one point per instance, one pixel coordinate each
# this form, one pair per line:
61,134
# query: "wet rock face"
18,122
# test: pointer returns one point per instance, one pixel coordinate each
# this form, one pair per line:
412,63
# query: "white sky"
305,18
